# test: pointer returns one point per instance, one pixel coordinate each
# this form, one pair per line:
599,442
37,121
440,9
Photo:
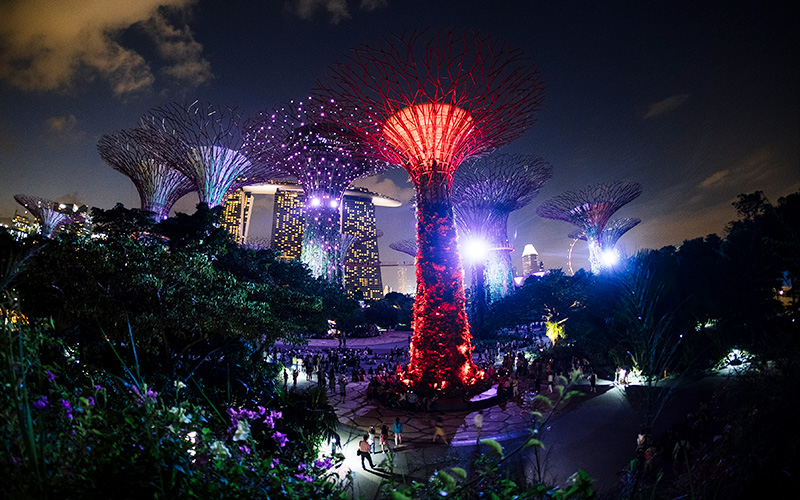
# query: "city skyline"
698,103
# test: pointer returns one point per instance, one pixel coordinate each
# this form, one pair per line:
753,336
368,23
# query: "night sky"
697,101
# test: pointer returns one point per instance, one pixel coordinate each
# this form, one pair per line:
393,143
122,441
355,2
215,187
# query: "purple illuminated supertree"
591,209
159,186
49,214
204,143
325,160
484,194
427,102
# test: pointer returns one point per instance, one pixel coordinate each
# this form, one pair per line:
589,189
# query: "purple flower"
280,438
91,401
304,477
50,375
270,423
245,449
65,404
261,410
275,463
301,466
98,387
326,463
275,414
41,403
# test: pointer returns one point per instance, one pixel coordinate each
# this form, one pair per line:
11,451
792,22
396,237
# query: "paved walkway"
596,433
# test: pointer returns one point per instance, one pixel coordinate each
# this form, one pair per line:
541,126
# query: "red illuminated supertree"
204,143
325,160
159,185
49,214
427,102
484,194
591,209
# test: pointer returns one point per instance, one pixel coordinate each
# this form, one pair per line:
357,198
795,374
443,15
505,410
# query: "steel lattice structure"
159,185
204,143
49,214
485,192
612,232
325,159
590,209
408,247
426,102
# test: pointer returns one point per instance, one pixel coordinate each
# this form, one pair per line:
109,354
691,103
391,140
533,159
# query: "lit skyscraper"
530,260
287,223
236,211
362,275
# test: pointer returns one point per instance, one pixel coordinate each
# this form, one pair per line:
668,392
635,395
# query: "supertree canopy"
204,143
325,159
159,185
49,214
590,209
485,192
612,232
427,102
408,247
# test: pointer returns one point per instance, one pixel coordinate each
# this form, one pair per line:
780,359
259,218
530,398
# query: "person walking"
397,428
478,420
363,451
343,385
295,373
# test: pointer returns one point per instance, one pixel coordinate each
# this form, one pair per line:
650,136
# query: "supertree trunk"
322,236
441,354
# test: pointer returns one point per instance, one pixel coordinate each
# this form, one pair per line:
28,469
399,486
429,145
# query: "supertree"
159,185
485,192
325,159
590,209
204,143
612,232
427,102
408,247
608,239
49,214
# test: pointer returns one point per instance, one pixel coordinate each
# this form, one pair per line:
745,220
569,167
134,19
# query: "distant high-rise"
236,211
530,260
362,275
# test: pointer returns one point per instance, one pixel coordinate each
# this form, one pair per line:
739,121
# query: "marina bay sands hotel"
362,278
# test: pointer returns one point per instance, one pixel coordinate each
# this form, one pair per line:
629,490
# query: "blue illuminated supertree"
591,209
485,193
49,214
325,160
159,185
205,144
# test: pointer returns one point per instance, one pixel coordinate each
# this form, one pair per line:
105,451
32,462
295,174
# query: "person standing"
478,420
438,431
295,373
397,428
384,437
343,385
363,450
592,382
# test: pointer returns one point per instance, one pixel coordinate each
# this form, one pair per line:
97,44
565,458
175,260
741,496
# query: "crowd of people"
506,365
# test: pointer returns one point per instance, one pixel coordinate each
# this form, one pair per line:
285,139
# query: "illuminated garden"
145,353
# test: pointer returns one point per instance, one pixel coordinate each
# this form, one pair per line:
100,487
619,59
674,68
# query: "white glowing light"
475,250
315,202
610,258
